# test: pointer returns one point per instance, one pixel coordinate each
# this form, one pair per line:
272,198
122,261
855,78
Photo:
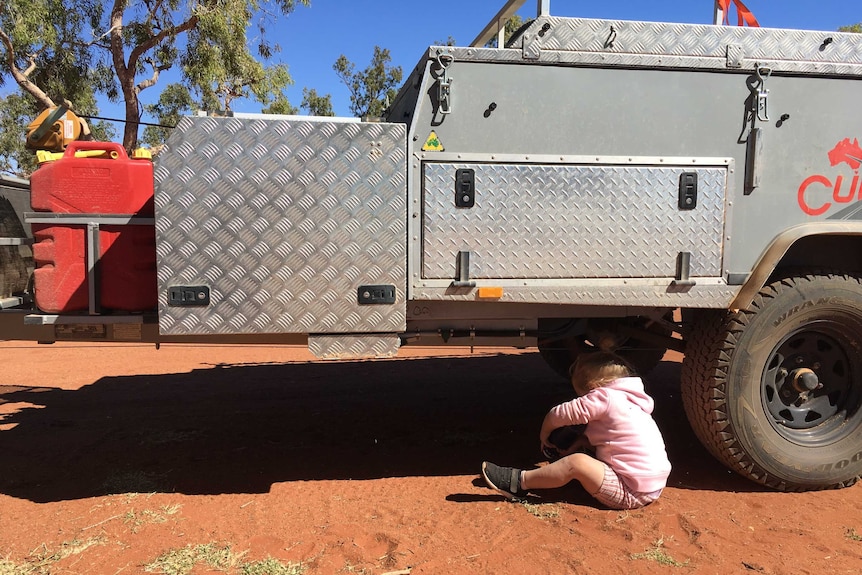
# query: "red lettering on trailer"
813,193
803,203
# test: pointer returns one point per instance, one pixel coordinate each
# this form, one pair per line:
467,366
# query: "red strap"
743,14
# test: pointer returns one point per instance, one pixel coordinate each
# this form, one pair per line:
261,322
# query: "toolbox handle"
115,150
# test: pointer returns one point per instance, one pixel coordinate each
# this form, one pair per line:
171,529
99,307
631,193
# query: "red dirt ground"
112,455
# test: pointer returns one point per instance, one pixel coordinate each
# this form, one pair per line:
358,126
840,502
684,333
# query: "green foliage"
280,105
371,89
856,28
450,41
75,49
43,39
16,111
315,104
174,102
219,64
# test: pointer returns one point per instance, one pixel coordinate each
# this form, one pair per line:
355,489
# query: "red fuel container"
127,269
100,183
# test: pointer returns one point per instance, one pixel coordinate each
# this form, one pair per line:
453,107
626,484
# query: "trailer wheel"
561,353
775,391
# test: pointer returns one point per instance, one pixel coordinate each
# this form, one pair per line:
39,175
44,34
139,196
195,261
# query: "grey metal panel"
564,221
659,44
284,220
354,346
604,294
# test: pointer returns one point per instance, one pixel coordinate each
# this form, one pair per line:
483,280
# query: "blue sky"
312,38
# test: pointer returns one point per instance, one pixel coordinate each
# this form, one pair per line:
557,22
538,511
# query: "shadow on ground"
239,429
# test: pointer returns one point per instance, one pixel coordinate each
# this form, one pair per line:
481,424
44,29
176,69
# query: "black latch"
688,190
465,188
375,294
188,296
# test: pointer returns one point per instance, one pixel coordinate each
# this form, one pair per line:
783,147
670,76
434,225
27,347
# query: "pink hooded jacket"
620,427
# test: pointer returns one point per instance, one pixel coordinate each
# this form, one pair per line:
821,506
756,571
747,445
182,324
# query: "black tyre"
774,392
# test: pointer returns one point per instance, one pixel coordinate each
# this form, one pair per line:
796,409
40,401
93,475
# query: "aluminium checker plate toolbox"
282,220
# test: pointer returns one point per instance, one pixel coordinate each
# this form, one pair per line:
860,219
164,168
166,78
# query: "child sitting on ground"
630,467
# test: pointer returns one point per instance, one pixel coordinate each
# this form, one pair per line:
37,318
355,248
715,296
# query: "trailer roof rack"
497,26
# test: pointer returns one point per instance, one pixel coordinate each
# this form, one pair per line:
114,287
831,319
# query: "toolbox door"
564,221
271,225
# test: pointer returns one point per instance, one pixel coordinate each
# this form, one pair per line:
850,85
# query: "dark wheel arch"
643,355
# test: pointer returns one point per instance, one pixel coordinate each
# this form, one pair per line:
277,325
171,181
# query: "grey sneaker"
504,480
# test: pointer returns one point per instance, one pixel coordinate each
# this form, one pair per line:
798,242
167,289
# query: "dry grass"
43,558
658,554
542,510
217,558
137,519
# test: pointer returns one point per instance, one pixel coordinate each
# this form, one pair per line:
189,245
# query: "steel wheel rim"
821,416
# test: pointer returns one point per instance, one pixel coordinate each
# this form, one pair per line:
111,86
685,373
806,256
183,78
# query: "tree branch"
140,49
152,80
20,77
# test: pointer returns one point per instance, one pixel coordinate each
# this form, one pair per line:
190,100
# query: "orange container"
93,183
127,268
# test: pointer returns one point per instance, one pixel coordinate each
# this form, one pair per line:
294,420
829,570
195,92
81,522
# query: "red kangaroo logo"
846,152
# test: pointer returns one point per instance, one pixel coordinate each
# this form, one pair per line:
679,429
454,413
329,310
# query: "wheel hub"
806,384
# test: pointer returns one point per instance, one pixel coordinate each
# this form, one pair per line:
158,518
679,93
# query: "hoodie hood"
633,387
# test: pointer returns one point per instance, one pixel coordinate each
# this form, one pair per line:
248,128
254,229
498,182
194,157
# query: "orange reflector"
490,292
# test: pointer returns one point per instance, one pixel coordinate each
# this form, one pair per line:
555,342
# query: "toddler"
630,467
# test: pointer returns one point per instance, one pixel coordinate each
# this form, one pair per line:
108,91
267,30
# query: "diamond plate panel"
608,294
563,221
659,44
354,346
283,219
662,38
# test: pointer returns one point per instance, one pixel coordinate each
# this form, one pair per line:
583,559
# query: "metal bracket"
463,271
735,56
683,271
16,241
93,223
531,49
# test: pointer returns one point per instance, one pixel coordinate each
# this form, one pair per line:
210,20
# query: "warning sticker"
432,144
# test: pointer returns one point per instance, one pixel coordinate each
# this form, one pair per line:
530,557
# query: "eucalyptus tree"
207,40
120,48
372,88
45,61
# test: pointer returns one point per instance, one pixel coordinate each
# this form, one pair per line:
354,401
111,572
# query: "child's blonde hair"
596,369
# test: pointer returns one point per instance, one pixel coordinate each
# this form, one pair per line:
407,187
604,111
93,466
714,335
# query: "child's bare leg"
588,470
